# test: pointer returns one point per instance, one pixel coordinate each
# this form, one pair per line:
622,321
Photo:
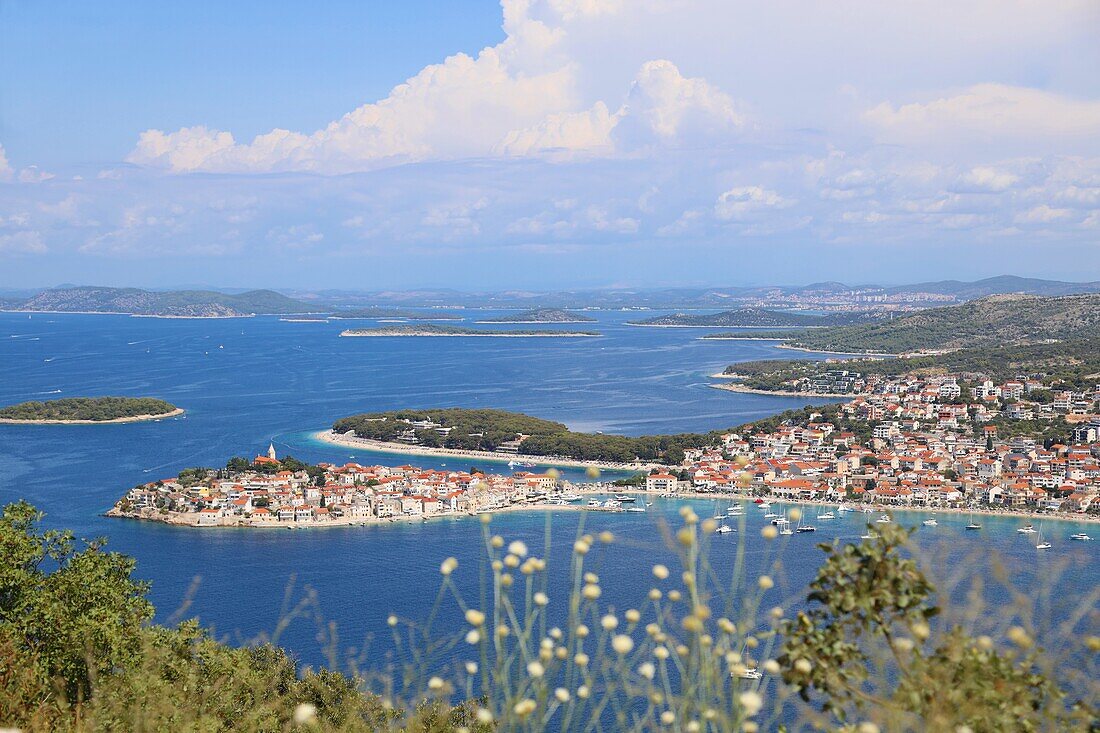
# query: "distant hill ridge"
179,303
992,321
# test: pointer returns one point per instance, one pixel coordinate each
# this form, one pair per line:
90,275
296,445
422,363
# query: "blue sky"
547,143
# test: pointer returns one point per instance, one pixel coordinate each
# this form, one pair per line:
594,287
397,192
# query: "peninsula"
542,315
501,434
269,491
754,318
88,411
436,330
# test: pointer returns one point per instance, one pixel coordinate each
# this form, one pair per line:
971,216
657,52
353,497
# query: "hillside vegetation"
87,408
1070,364
184,303
994,321
488,429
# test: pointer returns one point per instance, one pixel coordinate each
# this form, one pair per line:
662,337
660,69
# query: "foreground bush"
697,653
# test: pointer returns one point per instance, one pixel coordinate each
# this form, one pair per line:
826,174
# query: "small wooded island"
435,330
542,315
88,410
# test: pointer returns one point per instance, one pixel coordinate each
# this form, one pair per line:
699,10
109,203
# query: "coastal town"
948,442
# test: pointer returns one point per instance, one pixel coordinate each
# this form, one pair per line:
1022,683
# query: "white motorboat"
594,502
786,530
635,509
751,674
771,515
625,499
826,515
844,508
1026,529
723,529
884,519
930,523
1080,537
570,497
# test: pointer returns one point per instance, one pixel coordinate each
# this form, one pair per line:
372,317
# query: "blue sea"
245,382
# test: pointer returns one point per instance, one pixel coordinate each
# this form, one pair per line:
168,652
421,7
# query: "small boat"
612,504
751,674
723,529
625,499
770,515
884,519
764,504
635,509
973,525
867,510
786,530
570,497
1026,529
719,516
1042,544
930,523
593,502
806,528
869,536
844,508
781,521
1080,537
826,515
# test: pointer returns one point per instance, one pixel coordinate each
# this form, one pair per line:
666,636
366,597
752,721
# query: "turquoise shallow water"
245,382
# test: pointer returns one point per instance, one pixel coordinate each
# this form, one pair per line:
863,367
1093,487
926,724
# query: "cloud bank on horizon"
605,128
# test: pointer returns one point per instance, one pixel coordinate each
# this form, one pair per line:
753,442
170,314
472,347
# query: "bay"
245,382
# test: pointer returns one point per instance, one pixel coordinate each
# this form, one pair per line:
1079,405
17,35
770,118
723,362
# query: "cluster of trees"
87,408
78,652
489,429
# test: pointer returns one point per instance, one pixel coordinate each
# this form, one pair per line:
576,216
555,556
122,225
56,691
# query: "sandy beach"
134,418
379,447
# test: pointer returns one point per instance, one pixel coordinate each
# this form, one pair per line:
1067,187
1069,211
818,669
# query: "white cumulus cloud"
989,114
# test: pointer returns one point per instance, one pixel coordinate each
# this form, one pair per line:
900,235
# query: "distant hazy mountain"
999,285
185,303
